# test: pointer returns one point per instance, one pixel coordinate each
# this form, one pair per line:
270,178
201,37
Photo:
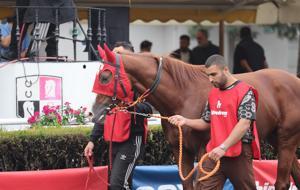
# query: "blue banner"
160,178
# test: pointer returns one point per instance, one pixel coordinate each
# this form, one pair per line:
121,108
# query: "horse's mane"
182,72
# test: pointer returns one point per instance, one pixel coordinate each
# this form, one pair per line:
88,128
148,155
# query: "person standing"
5,39
230,115
183,53
204,49
46,13
248,55
145,46
127,133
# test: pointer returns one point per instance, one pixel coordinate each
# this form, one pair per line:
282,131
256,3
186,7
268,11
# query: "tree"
291,32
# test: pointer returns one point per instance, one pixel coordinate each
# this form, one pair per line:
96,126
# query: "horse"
183,89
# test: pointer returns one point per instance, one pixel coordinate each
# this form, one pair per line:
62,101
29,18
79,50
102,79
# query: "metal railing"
38,37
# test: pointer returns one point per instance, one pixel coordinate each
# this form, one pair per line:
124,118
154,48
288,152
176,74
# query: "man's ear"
226,68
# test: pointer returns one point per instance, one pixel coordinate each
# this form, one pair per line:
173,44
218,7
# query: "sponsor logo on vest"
219,113
219,104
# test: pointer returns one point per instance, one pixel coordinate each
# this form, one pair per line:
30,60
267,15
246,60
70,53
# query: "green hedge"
56,148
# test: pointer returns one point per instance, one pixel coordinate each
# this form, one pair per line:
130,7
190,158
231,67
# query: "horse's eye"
105,77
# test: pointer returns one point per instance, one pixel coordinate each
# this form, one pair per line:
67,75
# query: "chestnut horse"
183,89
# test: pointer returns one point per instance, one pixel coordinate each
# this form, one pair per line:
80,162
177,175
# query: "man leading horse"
230,115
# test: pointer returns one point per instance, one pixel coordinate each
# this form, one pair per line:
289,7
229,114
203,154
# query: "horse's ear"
109,54
102,53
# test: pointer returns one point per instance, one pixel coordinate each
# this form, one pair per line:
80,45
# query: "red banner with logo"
265,172
76,179
73,179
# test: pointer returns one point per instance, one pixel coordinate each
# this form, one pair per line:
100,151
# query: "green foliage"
289,31
57,148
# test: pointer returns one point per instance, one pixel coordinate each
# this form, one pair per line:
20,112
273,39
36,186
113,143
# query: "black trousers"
124,159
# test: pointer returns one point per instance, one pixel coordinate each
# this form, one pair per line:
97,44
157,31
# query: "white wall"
77,83
280,53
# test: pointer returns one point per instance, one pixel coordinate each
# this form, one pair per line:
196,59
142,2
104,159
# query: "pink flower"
77,112
59,119
31,120
36,114
46,110
67,103
84,109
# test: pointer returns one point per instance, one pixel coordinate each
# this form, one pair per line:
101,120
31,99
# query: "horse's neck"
171,96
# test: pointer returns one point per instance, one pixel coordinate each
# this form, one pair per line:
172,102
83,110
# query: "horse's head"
111,85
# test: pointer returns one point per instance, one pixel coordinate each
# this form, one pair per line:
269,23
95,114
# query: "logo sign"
36,91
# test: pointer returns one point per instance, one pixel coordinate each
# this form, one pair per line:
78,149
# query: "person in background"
5,38
145,46
27,16
127,151
5,31
248,55
204,49
183,53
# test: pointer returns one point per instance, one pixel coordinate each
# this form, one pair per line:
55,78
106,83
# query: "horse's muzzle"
99,113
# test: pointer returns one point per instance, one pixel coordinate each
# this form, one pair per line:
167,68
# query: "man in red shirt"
230,115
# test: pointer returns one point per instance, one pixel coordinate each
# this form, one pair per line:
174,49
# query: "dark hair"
215,60
185,37
245,32
125,45
203,31
146,44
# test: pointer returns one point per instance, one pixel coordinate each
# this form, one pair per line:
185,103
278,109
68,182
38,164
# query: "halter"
142,97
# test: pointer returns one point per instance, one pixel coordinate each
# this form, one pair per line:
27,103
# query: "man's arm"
237,133
244,63
198,124
5,35
97,132
5,41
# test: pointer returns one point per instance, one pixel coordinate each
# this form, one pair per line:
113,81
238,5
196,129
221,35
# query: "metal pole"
37,33
56,32
85,37
18,33
89,35
99,27
74,35
103,35
221,37
0,35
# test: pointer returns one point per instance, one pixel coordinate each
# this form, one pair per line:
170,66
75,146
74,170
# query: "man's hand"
88,151
177,120
217,153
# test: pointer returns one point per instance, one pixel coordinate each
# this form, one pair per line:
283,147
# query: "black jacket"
201,53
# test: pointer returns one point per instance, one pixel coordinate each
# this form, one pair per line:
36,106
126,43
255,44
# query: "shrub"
58,148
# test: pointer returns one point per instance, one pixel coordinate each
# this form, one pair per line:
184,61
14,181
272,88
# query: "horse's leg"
287,145
296,172
187,166
201,152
